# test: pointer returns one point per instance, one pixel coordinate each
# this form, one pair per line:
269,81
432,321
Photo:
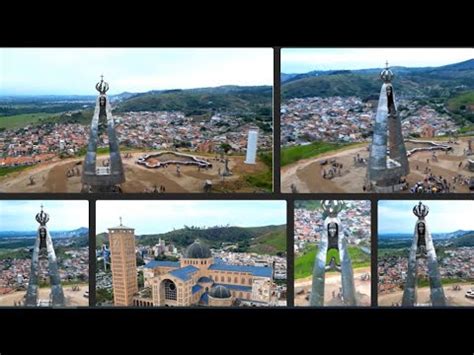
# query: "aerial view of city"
44,253
332,253
151,120
425,253
191,253
377,120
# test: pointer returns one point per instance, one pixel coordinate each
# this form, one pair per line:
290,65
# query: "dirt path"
306,174
73,298
455,298
298,173
332,287
51,176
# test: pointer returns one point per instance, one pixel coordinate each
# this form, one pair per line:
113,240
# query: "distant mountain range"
253,101
366,82
459,238
263,240
79,232
456,234
248,102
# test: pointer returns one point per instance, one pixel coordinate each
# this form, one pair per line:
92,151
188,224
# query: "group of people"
156,189
74,171
359,161
432,184
333,171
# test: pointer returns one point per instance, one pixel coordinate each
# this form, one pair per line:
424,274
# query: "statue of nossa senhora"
110,176
332,237
422,248
44,249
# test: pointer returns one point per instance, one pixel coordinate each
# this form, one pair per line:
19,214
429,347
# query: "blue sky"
149,217
303,60
444,216
75,71
19,215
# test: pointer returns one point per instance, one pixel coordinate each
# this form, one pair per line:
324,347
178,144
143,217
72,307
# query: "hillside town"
166,129
453,264
349,119
14,272
35,144
355,219
143,130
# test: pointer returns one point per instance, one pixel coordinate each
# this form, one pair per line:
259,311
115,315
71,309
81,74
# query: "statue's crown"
102,87
420,210
386,74
42,218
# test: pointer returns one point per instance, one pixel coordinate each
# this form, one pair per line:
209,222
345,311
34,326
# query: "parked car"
470,293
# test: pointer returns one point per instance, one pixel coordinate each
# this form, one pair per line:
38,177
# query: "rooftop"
184,273
254,270
236,287
154,264
196,288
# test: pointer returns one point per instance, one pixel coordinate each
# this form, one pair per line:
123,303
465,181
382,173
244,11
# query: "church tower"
123,264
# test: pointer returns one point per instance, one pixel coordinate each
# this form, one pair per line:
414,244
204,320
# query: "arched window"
229,279
222,279
170,290
242,281
250,281
236,280
241,295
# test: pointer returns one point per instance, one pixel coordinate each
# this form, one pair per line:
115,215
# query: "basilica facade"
200,279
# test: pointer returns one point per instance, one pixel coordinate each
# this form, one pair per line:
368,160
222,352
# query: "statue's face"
42,233
332,230
421,228
102,101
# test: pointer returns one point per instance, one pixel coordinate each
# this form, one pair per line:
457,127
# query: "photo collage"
236,177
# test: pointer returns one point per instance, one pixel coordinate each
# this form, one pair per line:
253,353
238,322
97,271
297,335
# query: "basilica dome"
197,250
220,291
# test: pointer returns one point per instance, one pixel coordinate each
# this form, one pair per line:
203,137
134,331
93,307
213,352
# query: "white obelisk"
252,146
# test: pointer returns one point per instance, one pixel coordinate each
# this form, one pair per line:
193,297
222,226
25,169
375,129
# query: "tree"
226,147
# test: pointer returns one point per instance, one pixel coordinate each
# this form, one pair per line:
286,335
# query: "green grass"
425,282
11,169
104,295
311,205
461,102
270,243
304,263
264,179
293,154
18,121
466,129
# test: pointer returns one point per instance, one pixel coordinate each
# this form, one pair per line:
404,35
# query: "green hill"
464,241
248,102
332,85
266,239
461,106
442,82
272,241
